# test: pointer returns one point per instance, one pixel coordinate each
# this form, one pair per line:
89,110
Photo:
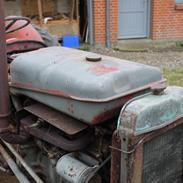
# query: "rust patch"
108,114
18,46
61,121
115,161
105,115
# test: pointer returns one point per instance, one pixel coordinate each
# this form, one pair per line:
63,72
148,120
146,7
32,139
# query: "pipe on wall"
90,20
5,131
4,89
108,44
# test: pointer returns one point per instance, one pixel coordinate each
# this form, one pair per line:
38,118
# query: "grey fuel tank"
86,86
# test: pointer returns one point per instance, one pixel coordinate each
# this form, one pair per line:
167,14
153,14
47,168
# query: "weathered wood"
61,27
40,11
30,7
72,10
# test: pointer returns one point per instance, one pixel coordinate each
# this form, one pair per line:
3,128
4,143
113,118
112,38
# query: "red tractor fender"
23,39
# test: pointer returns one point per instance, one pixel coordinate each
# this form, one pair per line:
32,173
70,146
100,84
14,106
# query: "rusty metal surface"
23,163
63,79
154,112
133,166
15,138
89,112
162,110
59,93
17,46
53,136
57,76
12,20
22,39
26,33
4,90
13,166
167,150
61,121
115,160
100,80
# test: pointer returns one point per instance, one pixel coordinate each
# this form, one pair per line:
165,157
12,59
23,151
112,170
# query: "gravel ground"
169,59
5,178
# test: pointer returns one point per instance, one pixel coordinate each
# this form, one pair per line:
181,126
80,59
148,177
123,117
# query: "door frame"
148,23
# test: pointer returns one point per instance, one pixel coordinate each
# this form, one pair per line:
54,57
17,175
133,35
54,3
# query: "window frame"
179,1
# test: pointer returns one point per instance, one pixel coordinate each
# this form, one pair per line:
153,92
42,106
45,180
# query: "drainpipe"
90,20
108,44
4,89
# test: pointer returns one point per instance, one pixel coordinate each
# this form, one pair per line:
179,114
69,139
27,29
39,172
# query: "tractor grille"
163,158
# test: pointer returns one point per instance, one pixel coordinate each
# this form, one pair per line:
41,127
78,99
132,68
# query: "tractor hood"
79,76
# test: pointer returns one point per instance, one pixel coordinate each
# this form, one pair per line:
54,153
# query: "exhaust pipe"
4,89
6,132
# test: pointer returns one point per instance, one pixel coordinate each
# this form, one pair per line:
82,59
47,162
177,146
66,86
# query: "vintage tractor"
69,116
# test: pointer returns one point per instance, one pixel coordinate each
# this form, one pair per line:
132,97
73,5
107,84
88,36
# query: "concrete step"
143,45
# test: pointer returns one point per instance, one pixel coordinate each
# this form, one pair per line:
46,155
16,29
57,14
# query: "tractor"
70,116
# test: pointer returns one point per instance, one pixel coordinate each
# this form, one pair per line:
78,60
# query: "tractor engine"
67,104
84,117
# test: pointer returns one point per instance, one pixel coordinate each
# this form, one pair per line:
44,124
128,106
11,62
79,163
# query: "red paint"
22,46
102,69
108,114
29,86
121,98
105,115
22,40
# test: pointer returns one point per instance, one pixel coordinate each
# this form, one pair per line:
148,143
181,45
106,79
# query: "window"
179,1
179,5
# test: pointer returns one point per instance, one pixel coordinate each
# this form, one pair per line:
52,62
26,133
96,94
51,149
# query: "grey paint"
149,114
133,21
155,112
93,87
83,168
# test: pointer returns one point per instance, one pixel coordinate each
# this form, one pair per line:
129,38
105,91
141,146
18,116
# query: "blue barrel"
70,41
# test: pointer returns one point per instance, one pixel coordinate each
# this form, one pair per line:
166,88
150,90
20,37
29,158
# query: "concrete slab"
144,45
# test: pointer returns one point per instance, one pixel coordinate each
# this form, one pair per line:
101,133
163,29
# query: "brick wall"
167,20
100,21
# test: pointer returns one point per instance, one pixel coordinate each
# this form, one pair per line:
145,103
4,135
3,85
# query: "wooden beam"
40,11
72,10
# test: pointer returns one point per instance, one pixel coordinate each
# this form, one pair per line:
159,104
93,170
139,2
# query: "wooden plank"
26,10
48,7
72,10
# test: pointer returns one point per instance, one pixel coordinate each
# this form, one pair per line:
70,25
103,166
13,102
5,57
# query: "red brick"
167,21
100,21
